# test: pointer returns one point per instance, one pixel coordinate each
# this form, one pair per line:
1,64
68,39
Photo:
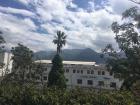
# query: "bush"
29,95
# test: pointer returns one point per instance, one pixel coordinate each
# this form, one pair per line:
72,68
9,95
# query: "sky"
85,22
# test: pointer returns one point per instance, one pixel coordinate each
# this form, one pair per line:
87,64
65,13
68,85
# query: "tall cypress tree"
56,75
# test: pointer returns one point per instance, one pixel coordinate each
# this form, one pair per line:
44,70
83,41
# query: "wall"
85,73
5,58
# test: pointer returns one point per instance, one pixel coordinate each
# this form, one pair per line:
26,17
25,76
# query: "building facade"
5,63
84,74
77,73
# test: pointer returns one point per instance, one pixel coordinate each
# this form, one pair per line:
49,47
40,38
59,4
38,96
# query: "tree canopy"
22,60
1,38
60,41
128,38
22,56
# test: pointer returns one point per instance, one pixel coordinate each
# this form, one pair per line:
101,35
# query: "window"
28,76
79,81
103,72
92,71
113,84
89,82
81,71
111,73
78,71
74,71
99,72
67,80
45,77
37,77
107,78
101,83
67,70
32,75
88,72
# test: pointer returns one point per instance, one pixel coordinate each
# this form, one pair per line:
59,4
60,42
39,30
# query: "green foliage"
2,41
1,38
56,76
16,95
136,91
128,39
22,62
134,14
22,56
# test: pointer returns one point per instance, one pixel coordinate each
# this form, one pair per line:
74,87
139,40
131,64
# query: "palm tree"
60,41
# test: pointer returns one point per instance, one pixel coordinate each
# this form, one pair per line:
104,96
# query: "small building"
84,74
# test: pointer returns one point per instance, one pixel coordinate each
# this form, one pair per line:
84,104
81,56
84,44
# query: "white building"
5,63
77,73
84,74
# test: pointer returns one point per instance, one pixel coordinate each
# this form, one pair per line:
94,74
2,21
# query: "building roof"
69,62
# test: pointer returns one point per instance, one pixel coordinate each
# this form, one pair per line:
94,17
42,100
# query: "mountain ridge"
72,55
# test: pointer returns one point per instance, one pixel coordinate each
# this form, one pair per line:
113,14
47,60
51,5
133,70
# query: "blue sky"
86,22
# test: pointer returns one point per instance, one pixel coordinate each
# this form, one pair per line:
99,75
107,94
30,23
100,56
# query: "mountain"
72,55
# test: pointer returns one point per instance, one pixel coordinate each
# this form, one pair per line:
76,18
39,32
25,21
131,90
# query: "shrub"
29,95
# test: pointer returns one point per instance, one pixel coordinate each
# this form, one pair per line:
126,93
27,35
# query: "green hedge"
18,95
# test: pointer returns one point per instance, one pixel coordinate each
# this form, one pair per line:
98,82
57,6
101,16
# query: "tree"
2,41
60,41
136,1
128,39
22,60
1,38
56,76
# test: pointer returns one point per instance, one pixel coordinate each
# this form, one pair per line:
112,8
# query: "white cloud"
18,30
16,11
26,2
33,40
84,29
15,24
91,5
120,6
